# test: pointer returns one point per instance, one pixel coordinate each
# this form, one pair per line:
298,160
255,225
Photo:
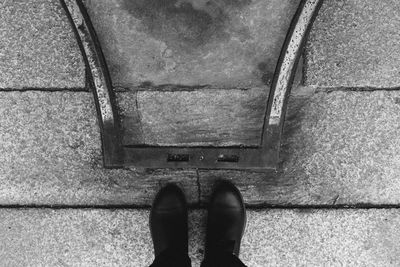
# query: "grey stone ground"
219,44
344,152
354,43
340,148
37,47
273,238
51,154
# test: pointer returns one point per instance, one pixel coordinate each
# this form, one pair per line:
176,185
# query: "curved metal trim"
100,82
290,55
286,71
264,157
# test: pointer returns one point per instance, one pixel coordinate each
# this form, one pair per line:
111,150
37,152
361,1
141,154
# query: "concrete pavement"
341,148
273,238
38,48
354,43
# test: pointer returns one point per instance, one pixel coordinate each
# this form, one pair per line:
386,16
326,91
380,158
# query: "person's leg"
169,228
225,227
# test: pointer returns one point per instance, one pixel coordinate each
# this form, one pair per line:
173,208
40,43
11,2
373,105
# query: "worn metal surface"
100,79
265,156
290,56
202,158
285,74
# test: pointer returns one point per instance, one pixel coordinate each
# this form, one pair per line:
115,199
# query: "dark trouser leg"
222,259
171,258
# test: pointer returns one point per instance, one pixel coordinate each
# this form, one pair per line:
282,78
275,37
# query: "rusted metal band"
100,79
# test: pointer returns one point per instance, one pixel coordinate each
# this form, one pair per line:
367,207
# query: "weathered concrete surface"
38,48
50,154
354,43
273,238
196,118
322,238
339,148
212,117
220,44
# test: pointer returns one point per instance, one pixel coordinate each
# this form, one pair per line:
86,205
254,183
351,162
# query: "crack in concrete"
198,187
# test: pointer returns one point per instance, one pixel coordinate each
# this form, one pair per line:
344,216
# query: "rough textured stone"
339,148
220,44
273,238
50,154
38,48
197,118
322,238
345,145
74,238
213,117
354,43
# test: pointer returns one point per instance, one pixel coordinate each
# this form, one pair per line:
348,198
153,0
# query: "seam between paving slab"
49,90
202,207
330,205
328,89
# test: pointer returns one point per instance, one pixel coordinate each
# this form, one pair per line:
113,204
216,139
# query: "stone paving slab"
218,44
195,118
38,48
354,43
339,148
45,237
50,154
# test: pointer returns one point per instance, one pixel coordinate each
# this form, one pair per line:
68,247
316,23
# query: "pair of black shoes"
225,227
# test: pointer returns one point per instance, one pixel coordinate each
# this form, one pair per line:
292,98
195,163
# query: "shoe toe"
168,220
170,197
227,195
226,219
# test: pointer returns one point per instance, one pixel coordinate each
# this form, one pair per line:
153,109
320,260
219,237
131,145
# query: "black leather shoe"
169,221
226,221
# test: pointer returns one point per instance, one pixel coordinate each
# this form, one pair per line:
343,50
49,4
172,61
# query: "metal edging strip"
100,81
285,72
265,157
